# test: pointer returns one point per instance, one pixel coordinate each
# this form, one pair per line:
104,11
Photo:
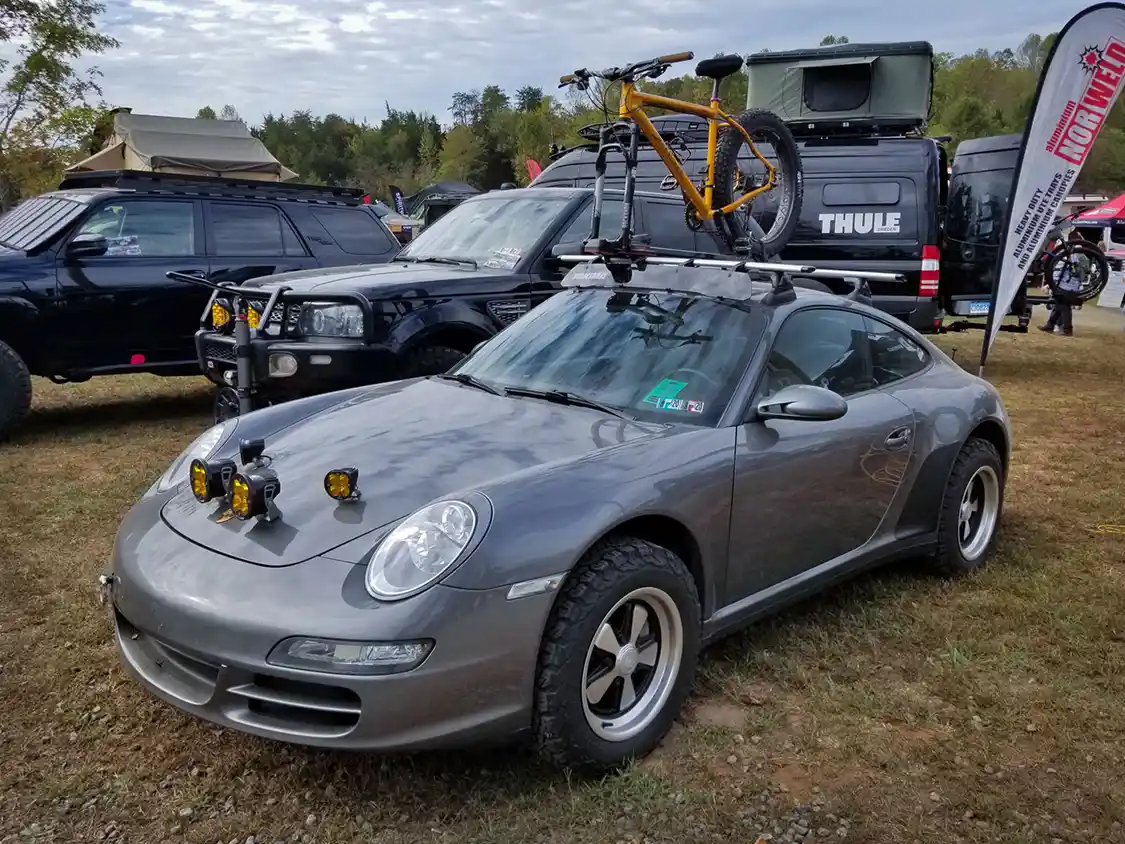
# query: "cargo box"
868,88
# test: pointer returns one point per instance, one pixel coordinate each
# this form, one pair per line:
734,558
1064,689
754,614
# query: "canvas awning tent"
433,201
1111,213
185,146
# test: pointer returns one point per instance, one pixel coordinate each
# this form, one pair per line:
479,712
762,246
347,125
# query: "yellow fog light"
210,480
221,315
253,494
342,484
253,316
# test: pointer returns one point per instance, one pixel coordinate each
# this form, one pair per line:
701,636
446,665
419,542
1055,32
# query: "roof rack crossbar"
200,185
802,270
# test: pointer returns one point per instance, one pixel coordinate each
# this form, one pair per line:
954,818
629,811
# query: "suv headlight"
423,548
202,447
331,320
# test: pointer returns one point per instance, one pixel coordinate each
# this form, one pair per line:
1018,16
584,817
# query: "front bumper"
322,365
195,628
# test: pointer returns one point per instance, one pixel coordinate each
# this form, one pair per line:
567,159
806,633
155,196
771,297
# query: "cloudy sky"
351,56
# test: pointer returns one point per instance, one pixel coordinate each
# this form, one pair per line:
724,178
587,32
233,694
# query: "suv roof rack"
192,185
779,275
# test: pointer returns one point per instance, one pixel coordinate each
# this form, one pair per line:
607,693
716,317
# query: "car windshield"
492,231
653,356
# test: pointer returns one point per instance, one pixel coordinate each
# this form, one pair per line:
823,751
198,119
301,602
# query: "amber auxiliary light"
210,480
254,488
342,484
222,316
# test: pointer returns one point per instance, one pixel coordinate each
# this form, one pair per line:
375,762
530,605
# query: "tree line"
51,114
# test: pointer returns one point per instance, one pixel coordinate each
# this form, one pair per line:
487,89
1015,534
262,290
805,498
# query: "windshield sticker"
666,389
505,259
695,407
690,405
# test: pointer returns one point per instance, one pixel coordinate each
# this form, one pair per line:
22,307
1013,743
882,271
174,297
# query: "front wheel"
618,656
1087,262
787,195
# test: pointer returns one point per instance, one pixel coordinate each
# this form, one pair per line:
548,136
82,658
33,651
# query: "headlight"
203,447
423,548
331,320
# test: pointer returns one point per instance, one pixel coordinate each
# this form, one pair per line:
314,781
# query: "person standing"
1068,275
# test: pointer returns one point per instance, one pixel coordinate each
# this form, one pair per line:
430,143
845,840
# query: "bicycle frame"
632,108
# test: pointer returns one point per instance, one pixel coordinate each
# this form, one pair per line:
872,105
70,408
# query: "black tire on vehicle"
1098,264
762,125
430,360
225,405
970,510
15,390
628,618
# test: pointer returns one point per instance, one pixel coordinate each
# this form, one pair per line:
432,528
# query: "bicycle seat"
719,67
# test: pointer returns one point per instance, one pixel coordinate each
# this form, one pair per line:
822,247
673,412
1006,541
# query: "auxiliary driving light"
210,480
252,494
250,451
342,484
221,315
253,316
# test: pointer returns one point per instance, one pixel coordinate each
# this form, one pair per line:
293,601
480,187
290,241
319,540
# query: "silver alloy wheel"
979,513
632,664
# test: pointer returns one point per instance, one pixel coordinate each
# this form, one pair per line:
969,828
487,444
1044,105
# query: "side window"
667,223
824,347
144,228
251,231
354,230
894,356
579,229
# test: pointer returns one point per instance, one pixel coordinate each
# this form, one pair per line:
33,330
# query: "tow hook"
105,588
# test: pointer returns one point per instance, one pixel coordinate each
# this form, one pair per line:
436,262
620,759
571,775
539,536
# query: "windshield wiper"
470,381
563,397
438,259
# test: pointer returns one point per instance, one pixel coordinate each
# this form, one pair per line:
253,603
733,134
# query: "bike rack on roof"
779,275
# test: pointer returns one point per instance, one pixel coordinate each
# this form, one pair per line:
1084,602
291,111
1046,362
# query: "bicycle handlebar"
655,67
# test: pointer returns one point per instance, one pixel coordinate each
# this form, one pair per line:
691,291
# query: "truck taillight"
931,269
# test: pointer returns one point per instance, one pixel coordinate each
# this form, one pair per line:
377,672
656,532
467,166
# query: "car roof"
570,193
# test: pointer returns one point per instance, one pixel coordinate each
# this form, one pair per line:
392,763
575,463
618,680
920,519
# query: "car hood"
365,276
412,442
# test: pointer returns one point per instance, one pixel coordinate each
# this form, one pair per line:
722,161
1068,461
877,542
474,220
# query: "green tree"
41,90
206,113
528,98
462,156
829,40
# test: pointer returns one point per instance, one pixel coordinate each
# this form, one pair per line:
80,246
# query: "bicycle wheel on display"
1094,278
787,195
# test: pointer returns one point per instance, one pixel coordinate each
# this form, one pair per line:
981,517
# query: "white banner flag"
1078,86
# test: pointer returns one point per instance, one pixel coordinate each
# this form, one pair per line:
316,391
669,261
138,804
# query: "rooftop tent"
185,146
846,86
433,201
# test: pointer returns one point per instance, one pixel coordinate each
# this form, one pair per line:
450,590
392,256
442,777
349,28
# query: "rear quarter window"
354,230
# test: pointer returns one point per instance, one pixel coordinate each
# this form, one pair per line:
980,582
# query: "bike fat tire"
763,126
1087,291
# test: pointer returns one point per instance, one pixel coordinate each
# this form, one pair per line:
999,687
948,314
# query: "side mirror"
87,246
803,402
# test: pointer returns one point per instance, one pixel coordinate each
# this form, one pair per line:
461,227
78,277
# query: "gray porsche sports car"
539,542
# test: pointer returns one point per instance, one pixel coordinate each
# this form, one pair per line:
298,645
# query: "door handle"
897,438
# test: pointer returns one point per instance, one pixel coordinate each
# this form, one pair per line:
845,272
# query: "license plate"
979,308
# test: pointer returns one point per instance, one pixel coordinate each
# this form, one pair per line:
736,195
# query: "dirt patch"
717,713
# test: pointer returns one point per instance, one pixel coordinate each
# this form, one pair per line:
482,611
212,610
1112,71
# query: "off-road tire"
1087,292
606,573
762,125
15,390
430,360
947,559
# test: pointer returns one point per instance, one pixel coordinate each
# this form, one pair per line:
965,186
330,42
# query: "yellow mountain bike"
722,202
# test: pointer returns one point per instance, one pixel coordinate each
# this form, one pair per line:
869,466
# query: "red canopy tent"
1111,212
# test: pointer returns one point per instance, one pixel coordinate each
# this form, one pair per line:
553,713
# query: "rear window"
354,230
34,222
977,203
862,193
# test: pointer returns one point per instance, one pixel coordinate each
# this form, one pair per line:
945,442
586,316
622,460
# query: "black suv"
83,289
476,270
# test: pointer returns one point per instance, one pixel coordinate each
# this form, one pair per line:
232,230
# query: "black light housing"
251,450
342,484
222,315
252,494
210,480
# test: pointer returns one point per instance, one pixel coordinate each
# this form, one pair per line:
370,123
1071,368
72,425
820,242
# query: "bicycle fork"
606,146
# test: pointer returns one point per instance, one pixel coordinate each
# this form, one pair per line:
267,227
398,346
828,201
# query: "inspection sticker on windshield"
504,259
666,389
690,406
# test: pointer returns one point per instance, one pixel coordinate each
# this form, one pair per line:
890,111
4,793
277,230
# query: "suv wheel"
15,390
618,656
430,360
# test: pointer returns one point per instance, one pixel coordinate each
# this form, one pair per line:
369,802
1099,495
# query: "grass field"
898,708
